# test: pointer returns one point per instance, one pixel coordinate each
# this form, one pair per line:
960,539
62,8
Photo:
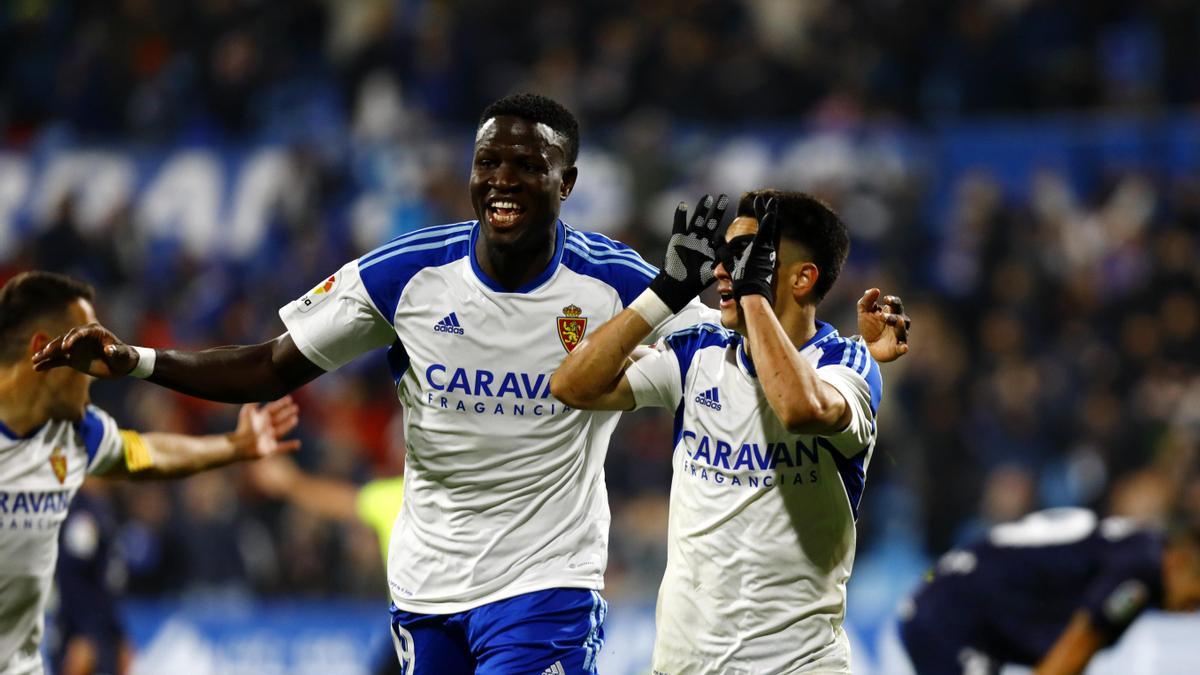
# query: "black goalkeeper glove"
688,266
753,267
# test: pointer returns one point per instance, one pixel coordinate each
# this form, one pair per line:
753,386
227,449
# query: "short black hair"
30,296
539,109
807,221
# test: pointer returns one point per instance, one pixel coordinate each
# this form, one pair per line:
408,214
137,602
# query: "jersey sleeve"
849,368
1126,586
102,440
655,379
337,320
694,313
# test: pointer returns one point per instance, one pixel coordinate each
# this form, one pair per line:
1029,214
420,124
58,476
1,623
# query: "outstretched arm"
236,374
259,433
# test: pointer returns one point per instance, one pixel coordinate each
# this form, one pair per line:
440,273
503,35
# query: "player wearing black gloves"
775,425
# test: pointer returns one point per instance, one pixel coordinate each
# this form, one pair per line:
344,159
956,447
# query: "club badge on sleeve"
571,327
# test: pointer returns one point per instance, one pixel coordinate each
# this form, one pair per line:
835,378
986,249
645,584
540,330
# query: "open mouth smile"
504,213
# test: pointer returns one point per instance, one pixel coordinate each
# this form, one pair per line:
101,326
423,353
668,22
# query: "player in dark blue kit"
1047,591
90,637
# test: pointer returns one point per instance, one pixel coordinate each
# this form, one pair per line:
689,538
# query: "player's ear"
569,176
36,342
804,277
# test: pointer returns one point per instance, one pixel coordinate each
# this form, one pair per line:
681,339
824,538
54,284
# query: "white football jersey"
39,474
761,528
504,486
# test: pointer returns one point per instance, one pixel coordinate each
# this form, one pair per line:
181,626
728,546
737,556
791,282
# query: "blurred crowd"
149,69
1055,319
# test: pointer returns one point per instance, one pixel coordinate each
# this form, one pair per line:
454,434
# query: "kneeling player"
775,425
1049,590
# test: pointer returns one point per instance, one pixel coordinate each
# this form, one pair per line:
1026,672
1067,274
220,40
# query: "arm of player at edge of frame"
231,374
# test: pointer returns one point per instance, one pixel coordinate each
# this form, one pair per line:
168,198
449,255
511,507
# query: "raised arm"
235,374
592,376
802,401
259,433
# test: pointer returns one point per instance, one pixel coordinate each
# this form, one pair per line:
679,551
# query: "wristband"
651,308
145,364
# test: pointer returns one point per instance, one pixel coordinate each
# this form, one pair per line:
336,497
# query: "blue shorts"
553,632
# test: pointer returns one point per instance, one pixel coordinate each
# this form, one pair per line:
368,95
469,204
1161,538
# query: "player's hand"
883,325
753,269
91,349
691,255
260,429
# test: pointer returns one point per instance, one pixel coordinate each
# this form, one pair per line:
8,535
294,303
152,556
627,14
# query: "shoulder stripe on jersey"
688,342
417,235
414,249
608,250
91,430
622,261
609,254
601,240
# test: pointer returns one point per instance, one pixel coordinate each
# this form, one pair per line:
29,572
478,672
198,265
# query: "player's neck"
20,409
510,266
798,320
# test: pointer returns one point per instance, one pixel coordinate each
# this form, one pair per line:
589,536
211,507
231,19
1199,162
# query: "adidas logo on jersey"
709,398
556,669
450,325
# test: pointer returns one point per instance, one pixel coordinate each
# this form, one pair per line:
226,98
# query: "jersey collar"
560,238
11,435
824,331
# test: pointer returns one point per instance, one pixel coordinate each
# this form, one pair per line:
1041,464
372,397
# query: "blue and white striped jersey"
761,534
504,490
39,474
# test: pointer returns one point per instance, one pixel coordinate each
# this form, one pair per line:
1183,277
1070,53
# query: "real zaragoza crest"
58,462
571,327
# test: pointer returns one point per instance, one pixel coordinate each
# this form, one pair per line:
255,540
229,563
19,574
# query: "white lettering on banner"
100,182
259,190
183,200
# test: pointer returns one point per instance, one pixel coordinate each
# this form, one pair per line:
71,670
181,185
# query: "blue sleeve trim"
856,357
91,430
386,271
398,361
854,476
687,342
612,262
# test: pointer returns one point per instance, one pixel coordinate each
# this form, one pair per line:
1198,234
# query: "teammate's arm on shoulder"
1074,648
237,374
234,374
